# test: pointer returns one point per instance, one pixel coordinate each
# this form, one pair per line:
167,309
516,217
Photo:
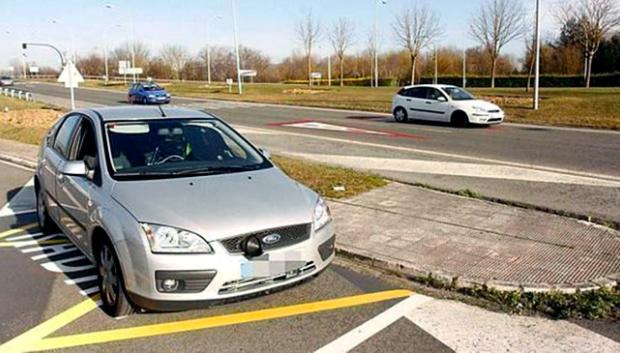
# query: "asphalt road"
36,295
574,170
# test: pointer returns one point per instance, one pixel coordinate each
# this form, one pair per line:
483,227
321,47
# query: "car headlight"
165,239
322,214
168,95
479,109
151,96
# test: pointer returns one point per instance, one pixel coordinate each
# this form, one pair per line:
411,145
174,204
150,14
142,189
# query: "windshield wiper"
218,169
146,172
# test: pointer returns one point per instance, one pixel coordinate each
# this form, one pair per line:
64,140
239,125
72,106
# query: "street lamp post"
435,57
236,38
329,70
537,61
375,44
209,51
464,68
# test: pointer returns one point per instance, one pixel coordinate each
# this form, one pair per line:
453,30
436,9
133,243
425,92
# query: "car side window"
85,146
62,142
418,92
433,93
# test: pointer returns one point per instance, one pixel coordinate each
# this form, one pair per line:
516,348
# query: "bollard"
19,95
12,93
28,96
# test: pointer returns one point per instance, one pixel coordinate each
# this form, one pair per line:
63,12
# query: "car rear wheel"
45,222
111,284
400,115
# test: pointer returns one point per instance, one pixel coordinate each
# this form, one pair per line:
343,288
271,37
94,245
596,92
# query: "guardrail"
17,93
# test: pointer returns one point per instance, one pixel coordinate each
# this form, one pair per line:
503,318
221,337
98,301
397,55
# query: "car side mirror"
265,153
76,168
442,99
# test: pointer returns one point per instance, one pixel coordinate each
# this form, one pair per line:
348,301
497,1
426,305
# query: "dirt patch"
302,91
30,118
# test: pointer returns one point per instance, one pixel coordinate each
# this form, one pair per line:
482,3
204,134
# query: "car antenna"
163,114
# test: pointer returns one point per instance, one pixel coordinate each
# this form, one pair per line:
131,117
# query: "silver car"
176,208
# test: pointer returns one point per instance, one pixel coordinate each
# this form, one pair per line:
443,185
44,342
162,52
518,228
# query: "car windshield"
458,94
175,147
152,87
5,78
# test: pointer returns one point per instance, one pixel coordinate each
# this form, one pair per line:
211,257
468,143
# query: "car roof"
143,112
430,85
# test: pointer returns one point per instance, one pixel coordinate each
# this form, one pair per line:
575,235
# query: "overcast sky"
267,25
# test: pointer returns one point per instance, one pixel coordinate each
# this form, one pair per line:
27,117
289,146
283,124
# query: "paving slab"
420,232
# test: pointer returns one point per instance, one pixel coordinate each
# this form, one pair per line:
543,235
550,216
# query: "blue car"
147,93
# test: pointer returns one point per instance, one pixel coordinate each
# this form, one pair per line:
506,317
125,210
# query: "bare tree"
341,38
415,29
498,23
176,56
308,33
593,21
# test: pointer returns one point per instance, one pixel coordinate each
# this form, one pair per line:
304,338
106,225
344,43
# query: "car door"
436,105
51,161
416,97
74,192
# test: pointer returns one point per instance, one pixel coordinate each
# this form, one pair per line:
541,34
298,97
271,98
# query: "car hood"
477,103
219,206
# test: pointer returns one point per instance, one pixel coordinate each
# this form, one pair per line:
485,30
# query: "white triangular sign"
70,76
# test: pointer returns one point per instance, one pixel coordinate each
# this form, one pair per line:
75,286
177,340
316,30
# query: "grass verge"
25,122
602,303
573,107
328,181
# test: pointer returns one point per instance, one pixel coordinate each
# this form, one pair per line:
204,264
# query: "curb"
19,161
411,273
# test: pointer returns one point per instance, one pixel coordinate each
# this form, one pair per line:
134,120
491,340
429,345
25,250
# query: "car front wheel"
400,115
45,222
110,277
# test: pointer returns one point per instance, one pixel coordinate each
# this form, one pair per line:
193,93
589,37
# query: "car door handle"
408,100
427,102
60,178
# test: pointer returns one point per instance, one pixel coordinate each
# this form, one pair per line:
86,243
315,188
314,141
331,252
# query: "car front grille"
494,119
289,235
242,285
494,111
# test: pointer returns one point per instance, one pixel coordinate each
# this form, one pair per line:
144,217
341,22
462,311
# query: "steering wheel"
170,157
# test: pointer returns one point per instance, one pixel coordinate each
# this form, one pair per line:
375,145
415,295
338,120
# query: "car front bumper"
486,118
160,100
226,274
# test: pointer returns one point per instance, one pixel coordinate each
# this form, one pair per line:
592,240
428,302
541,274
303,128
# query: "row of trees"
585,44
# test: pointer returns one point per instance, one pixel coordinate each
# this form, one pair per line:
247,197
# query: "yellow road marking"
30,242
215,321
24,342
17,230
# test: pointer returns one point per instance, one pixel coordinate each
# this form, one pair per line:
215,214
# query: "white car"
443,103
6,81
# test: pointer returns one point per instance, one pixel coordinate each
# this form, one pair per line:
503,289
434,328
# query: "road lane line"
26,340
216,321
440,154
18,244
355,337
10,232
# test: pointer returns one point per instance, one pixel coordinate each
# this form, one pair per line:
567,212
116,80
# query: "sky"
268,25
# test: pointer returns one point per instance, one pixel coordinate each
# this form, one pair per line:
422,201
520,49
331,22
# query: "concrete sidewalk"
417,232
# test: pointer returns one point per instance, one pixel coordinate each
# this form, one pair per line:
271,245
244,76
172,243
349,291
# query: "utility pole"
375,44
537,61
435,57
464,68
236,36
329,70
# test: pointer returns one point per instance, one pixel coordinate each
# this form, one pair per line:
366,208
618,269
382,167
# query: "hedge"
597,80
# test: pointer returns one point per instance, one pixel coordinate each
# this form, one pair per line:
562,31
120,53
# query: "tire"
400,115
46,224
111,284
460,119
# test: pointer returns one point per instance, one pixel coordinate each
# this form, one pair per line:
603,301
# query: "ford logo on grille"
271,238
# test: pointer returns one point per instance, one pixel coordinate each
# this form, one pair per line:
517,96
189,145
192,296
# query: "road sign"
315,75
133,71
247,73
70,76
34,69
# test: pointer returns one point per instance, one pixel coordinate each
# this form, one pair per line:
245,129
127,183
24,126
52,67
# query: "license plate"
274,265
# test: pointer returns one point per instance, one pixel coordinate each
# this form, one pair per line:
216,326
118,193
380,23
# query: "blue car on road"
147,93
